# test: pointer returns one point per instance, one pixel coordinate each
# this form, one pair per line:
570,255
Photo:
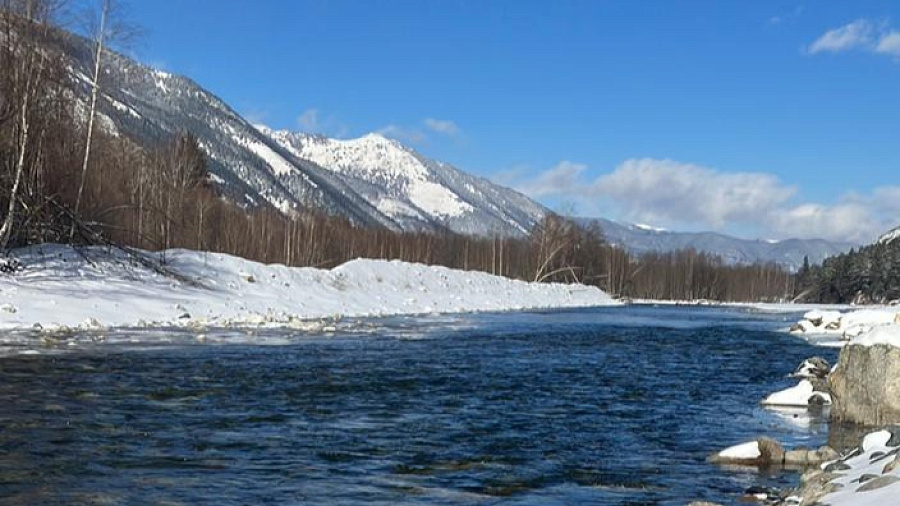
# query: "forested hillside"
868,275
68,174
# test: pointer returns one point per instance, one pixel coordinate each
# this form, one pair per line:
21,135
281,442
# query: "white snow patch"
797,396
888,334
58,288
745,451
279,166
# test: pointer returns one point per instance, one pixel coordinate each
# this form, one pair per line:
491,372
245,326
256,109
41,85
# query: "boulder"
865,386
815,367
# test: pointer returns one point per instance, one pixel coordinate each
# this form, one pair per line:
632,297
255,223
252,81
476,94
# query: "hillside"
371,181
412,190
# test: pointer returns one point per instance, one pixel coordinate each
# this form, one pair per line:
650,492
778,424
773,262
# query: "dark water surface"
606,406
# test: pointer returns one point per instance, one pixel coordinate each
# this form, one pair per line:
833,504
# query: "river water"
602,406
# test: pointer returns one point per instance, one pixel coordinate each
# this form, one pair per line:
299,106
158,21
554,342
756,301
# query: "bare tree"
25,65
107,27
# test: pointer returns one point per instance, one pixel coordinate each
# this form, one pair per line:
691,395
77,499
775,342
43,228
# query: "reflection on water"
613,406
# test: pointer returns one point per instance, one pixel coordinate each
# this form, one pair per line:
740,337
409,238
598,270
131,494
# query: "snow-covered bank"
61,288
836,328
869,476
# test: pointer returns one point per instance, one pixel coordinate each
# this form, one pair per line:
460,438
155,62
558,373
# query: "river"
616,406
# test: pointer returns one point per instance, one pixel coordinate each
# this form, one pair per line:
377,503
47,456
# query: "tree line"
63,180
868,275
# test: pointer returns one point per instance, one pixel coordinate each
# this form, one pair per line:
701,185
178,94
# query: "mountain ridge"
789,253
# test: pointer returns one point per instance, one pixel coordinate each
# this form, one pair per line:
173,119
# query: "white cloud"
863,35
855,35
442,126
889,44
651,190
312,121
412,135
418,134
691,197
309,121
559,180
784,18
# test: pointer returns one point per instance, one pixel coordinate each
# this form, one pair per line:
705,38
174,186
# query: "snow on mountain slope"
641,239
149,106
889,237
413,190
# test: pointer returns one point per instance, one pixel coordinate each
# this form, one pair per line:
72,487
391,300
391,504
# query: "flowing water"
603,406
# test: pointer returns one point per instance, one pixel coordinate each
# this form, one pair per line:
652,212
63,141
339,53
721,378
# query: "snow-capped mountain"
889,237
414,191
371,181
641,239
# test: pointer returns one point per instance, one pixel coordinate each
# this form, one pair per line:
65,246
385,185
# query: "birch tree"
106,26
25,67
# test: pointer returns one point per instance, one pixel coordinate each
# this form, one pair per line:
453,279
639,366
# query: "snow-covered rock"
60,289
847,325
866,382
801,395
869,476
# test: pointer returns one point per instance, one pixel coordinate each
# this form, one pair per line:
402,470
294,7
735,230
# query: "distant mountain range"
641,239
372,180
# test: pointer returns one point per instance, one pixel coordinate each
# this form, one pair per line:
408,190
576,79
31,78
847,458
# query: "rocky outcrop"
865,386
766,452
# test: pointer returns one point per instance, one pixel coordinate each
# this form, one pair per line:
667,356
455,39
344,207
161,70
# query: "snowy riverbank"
59,288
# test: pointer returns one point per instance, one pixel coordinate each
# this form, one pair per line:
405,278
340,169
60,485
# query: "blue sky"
764,119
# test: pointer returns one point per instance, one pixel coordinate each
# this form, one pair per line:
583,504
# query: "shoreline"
61,289
869,473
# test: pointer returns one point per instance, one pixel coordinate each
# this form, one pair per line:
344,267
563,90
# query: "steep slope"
382,183
413,190
149,106
789,253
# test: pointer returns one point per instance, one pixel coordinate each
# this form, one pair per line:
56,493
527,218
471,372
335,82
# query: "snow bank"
888,334
798,396
61,288
845,326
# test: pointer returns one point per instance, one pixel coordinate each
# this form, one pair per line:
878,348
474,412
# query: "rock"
804,457
879,482
184,316
836,466
865,386
770,451
9,308
867,477
815,367
892,466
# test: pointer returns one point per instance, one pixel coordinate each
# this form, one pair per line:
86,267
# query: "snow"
889,237
745,451
380,161
797,396
648,228
60,289
279,166
876,325
866,462
889,335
